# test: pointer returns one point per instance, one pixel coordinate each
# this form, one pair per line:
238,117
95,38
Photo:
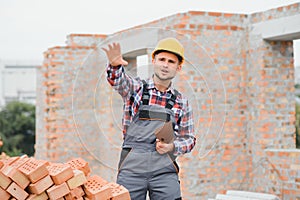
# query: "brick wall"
282,167
240,87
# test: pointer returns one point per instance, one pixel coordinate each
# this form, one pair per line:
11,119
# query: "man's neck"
160,84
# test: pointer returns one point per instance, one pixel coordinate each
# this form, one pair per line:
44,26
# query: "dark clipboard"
165,133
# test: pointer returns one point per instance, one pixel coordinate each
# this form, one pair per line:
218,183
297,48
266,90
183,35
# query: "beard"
167,78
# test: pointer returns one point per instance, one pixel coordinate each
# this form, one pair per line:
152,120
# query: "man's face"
166,65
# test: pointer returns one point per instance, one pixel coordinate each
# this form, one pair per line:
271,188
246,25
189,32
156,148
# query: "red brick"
35,169
77,180
221,27
68,197
17,192
214,14
18,163
4,195
1,164
76,193
192,26
82,198
79,163
197,12
97,188
60,172
209,27
228,14
180,26
119,192
4,180
58,191
10,160
15,175
42,196
41,185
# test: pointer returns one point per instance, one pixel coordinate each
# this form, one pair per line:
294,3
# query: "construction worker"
148,164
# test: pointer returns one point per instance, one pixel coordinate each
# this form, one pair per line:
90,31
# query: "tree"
17,128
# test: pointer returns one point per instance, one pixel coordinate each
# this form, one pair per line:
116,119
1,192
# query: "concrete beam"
134,54
284,28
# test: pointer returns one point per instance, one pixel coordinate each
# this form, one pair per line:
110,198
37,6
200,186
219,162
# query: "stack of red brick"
31,179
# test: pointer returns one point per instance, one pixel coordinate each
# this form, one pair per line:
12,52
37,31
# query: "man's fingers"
104,50
109,46
117,46
114,46
113,52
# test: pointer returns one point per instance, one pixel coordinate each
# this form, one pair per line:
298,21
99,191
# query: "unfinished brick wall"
240,86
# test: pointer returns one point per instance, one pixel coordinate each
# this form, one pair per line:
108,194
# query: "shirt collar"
152,86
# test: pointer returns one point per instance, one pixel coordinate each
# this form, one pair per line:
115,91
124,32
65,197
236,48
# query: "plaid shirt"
129,87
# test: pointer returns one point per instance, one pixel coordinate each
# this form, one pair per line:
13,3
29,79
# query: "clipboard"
165,133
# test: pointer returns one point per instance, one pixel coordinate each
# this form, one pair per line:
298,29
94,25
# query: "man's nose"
165,64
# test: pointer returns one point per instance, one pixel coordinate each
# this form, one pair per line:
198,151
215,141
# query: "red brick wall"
240,87
282,167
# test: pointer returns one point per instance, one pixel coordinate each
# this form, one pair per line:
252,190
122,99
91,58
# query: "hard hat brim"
157,51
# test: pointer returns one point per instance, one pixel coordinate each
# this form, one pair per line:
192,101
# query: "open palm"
113,53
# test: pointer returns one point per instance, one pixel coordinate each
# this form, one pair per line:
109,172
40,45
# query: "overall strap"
145,95
171,101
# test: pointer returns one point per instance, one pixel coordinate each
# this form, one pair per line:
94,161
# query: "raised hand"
114,56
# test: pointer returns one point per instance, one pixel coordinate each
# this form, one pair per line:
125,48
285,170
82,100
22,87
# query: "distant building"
297,81
17,82
297,74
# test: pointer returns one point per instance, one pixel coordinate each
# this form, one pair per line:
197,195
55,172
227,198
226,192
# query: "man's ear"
179,67
153,59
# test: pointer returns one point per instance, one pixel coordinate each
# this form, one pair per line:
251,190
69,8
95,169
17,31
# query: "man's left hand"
163,148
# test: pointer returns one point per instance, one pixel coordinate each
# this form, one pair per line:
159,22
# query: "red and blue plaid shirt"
130,90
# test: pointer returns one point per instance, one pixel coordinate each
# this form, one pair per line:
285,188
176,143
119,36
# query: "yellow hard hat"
171,45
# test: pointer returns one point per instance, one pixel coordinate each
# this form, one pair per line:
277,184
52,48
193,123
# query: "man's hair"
178,56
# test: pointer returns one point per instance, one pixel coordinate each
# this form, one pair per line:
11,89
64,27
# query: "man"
147,163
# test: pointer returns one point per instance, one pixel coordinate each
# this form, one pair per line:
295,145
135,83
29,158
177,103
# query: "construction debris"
27,178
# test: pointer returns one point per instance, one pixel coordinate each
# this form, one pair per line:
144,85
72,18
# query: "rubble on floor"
244,195
27,178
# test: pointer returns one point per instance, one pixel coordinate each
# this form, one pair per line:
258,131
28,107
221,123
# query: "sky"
29,27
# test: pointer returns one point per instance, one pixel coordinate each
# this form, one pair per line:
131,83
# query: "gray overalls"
141,167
